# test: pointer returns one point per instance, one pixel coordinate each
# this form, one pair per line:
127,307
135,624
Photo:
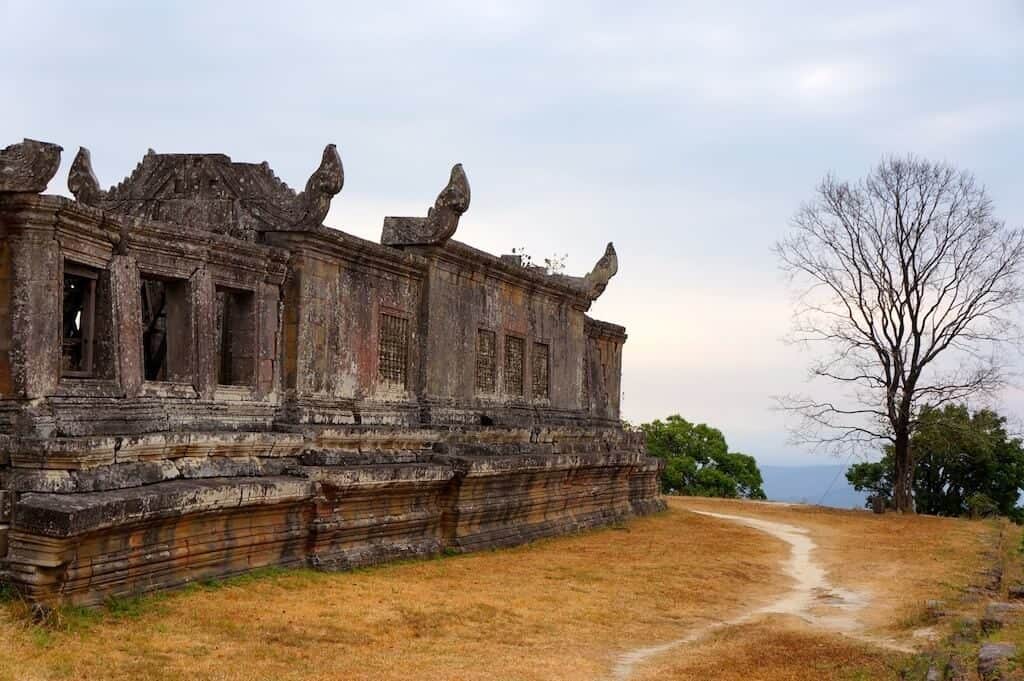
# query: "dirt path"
813,599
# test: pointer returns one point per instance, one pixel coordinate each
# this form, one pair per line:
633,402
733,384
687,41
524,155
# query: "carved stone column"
204,303
125,286
35,313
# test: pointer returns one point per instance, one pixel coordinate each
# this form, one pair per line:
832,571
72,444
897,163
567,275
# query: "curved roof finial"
28,166
442,220
325,182
596,281
82,180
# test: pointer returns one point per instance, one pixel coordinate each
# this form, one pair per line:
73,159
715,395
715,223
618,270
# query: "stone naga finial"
451,204
28,166
325,182
597,279
442,220
82,180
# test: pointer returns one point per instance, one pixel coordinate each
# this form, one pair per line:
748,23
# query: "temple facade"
198,378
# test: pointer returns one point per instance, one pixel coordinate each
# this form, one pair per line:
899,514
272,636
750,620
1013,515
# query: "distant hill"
809,484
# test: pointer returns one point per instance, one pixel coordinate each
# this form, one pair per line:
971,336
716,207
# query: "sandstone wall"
603,361
469,292
339,288
174,511
246,387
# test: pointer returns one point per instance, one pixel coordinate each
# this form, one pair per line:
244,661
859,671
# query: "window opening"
166,329
78,320
236,337
541,359
514,351
486,360
393,353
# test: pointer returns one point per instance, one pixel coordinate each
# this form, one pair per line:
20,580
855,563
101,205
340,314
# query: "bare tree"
907,290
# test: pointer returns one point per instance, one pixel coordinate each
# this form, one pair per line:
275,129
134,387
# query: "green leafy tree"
698,461
966,464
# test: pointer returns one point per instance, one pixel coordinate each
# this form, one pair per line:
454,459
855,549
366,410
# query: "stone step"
61,515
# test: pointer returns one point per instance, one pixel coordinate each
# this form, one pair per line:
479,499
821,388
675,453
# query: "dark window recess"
78,326
514,351
166,330
393,353
541,364
236,337
486,360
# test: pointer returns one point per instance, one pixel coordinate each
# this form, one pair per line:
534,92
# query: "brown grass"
779,650
557,609
900,561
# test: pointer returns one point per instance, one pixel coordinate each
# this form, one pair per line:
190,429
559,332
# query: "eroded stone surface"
212,191
28,166
993,659
998,615
198,378
441,221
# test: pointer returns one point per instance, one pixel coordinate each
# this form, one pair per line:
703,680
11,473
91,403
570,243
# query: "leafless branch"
907,288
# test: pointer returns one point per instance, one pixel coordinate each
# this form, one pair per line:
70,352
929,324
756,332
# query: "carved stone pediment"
28,166
441,222
212,192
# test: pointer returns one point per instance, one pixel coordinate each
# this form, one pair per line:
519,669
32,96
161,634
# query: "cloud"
829,80
687,132
964,125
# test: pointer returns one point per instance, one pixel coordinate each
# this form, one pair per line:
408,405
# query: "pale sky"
686,132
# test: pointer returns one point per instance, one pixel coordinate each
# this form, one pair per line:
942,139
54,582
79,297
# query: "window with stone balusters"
393,353
486,361
515,349
541,366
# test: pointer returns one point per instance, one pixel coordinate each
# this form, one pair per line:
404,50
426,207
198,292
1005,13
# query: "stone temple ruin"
197,378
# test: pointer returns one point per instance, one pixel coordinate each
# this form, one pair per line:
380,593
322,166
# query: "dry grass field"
896,562
899,561
564,608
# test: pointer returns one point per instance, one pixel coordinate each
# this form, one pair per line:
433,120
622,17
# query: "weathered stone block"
28,166
64,453
998,615
993,659
57,515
